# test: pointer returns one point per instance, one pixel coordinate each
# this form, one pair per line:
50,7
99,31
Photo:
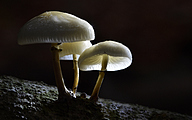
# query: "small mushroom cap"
119,56
68,49
68,57
55,27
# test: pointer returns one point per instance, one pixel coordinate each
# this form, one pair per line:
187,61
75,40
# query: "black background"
158,33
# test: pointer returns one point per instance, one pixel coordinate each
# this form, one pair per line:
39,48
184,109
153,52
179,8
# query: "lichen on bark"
32,100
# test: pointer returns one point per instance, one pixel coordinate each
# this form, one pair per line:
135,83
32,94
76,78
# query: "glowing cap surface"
120,56
55,27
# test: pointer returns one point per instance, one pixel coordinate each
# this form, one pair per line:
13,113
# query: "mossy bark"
23,99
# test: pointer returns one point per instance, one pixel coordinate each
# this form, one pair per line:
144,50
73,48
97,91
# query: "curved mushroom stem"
64,93
94,95
76,73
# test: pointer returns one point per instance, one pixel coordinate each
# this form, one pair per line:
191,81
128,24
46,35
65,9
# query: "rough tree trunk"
23,99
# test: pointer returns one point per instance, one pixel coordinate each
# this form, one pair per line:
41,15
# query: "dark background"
158,33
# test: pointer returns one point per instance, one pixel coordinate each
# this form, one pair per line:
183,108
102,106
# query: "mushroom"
72,51
56,27
104,56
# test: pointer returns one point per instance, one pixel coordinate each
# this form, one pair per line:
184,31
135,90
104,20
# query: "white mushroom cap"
68,49
119,56
55,27
68,57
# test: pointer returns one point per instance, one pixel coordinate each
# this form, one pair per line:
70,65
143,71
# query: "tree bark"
23,99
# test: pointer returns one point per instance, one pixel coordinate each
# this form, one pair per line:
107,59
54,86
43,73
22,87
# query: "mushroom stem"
94,95
76,73
63,91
